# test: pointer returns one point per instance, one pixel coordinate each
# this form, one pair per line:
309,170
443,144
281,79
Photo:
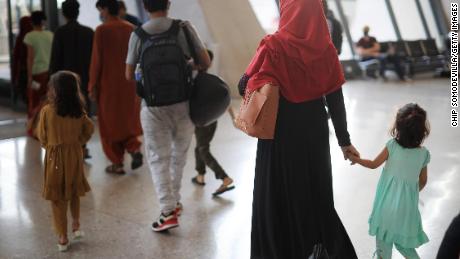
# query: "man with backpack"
162,54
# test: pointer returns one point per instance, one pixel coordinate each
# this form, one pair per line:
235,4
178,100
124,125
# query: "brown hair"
64,94
411,126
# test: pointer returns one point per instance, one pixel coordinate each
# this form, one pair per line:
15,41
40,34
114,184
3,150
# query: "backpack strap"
175,27
142,34
190,45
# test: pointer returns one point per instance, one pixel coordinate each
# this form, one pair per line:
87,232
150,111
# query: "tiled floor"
12,123
118,212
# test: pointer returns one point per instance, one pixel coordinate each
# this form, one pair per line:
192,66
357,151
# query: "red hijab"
300,56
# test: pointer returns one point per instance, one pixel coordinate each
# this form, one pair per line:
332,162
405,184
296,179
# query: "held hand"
354,159
348,151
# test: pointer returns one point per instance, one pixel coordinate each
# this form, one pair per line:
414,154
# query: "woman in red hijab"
293,207
19,66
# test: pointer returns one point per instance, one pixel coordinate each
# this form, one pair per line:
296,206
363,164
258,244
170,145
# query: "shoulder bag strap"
188,37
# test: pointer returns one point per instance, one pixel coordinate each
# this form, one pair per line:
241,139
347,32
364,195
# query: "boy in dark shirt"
204,158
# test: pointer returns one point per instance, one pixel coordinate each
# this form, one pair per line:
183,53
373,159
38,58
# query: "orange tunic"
118,104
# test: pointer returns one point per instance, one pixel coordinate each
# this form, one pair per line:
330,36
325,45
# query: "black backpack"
167,76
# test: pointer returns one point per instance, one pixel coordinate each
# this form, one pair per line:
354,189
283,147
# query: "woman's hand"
354,159
350,151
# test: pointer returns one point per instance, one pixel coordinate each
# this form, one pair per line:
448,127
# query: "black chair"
415,49
418,61
384,47
430,47
437,60
401,49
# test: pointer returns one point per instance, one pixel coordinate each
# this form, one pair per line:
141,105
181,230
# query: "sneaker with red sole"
165,222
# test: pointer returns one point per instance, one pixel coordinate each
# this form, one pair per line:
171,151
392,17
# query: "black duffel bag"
209,99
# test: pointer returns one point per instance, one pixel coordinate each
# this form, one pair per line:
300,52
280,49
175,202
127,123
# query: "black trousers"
390,59
397,63
203,154
450,246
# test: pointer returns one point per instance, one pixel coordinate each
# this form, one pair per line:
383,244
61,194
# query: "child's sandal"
63,247
78,234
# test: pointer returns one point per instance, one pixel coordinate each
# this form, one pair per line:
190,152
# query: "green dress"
395,217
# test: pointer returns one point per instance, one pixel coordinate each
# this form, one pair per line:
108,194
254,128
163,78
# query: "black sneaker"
137,160
165,222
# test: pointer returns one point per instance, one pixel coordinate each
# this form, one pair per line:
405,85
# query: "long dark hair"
64,94
411,126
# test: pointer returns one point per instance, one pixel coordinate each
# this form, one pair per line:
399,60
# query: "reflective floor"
117,214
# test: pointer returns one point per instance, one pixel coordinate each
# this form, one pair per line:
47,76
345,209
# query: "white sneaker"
77,235
63,248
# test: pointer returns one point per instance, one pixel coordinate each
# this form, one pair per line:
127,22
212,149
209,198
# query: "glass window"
346,48
430,19
360,13
4,45
408,19
371,13
19,8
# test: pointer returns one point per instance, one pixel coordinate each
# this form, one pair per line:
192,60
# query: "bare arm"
370,52
372,164
129,72
95,66
204,61
423,178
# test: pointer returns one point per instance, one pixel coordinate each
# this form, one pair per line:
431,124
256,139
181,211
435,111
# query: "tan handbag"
258,112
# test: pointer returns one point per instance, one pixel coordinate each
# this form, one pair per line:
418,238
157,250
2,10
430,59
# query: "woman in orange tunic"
118,105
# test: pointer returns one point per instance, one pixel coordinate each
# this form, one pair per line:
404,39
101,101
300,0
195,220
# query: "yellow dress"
63,137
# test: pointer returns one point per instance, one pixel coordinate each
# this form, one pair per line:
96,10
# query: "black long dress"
293,207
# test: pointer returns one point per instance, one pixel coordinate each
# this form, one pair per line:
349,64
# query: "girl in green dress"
395,217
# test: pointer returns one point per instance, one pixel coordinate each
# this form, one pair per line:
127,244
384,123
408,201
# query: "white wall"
408,19
194,14
374,14
89,15
429,15
191,10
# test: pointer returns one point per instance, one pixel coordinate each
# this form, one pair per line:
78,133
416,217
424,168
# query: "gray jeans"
168,132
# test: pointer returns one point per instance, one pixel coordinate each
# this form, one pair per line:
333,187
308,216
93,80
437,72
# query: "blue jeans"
384,250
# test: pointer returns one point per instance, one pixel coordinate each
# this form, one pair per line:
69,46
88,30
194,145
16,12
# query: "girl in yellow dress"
62,130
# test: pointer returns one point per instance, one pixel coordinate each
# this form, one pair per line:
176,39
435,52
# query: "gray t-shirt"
160,25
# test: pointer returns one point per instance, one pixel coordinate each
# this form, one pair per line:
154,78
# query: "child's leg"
408,253
200,166
212,163
204,136
384,249
59,209
75,211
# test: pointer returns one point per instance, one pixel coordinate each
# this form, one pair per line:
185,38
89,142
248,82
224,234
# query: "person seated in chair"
368,48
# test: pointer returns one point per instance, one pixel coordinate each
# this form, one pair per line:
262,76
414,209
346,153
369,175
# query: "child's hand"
353,158
348,151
